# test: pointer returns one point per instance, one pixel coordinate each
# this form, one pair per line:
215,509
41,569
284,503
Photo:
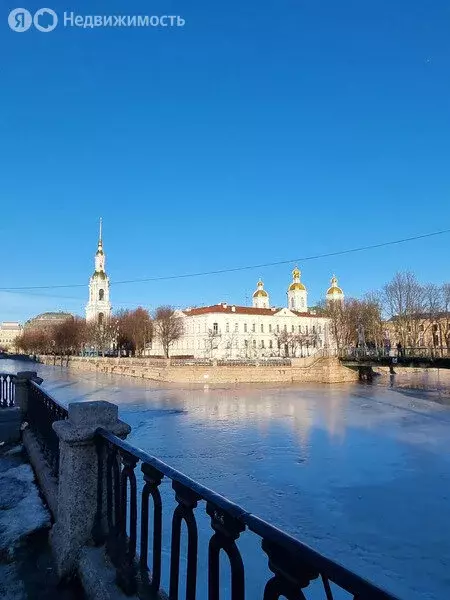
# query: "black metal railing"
138,559
431,353
42,412
7,390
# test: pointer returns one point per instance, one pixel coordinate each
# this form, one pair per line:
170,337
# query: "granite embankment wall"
310,370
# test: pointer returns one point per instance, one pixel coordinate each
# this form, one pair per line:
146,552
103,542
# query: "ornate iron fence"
42,412
126,532
7,390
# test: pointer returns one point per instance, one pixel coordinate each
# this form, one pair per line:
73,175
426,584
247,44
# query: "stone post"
22,387
78,480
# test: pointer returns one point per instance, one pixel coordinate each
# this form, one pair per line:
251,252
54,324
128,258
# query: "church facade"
229,331
98,308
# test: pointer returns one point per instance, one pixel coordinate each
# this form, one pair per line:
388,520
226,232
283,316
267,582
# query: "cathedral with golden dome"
230,331
297,294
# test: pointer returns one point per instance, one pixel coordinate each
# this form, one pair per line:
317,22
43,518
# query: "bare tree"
102,335
285,342
445,318
430,321
355,318
69,336
35,341
135,330
168,327
405,302
212,342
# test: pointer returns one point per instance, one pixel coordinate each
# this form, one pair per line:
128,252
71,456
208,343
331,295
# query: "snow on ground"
21,508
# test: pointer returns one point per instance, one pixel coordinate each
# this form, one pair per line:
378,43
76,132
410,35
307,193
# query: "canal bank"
326,370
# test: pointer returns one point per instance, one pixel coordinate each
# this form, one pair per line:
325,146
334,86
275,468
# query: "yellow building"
9,331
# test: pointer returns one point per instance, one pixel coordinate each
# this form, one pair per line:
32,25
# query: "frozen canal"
361,473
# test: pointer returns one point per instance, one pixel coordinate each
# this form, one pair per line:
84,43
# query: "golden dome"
297,286
260,294
334,290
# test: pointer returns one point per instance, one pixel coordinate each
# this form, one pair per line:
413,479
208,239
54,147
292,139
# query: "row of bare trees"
419,312
128,332
404,310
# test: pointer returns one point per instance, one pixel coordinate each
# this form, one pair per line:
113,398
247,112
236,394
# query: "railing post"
22,388
78,478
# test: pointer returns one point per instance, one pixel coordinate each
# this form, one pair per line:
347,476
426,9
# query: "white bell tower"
297,294
98,307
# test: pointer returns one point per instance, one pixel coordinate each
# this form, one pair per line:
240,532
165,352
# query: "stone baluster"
78,478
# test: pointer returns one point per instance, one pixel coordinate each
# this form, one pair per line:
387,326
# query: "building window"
101,318
262,344
227,327
285,328
306,329
262,328
215,328
254,343
270,344
101,294
278,329
293,329
246,343
228,345
254,327
314,329
245,327
270,328
319,328
236,326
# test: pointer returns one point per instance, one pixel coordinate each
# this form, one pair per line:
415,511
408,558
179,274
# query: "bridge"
418,358
109,512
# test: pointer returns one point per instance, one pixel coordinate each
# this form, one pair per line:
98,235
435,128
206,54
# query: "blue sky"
258,132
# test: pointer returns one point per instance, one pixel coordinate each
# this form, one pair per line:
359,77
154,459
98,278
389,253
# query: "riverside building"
229,331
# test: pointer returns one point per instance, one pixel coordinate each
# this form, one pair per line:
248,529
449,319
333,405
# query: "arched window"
101,318
101,294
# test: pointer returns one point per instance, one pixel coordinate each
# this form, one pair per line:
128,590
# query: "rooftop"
225,308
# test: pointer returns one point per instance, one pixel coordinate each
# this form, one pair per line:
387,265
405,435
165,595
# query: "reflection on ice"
362,473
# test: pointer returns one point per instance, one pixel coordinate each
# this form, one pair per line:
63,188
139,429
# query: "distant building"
9,331
98,307
420,331
47,320
230,331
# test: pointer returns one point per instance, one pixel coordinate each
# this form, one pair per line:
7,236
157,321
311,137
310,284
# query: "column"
78,478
